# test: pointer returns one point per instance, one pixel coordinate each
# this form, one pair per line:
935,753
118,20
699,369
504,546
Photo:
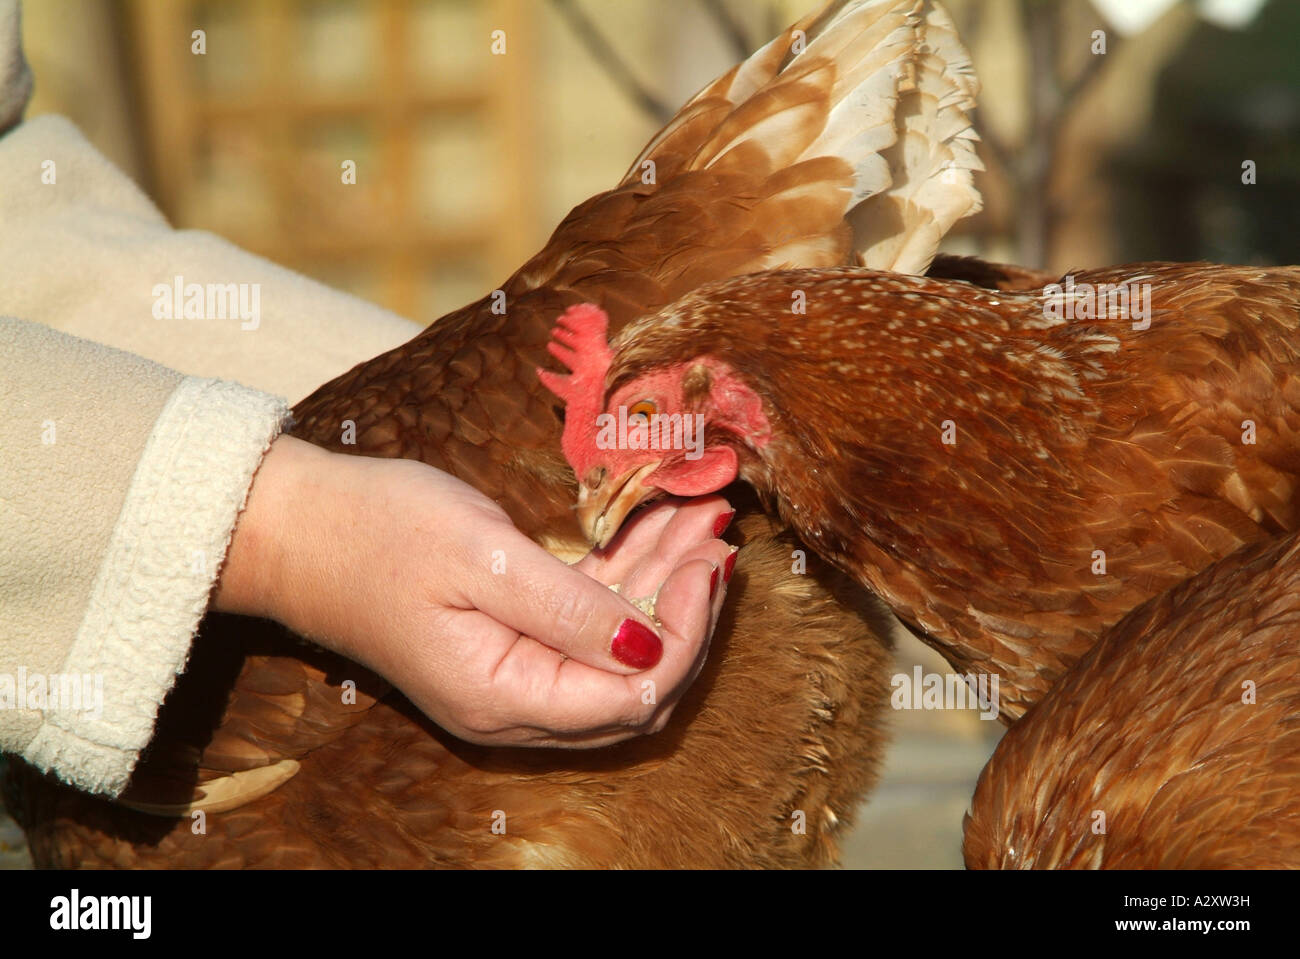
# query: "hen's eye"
643,408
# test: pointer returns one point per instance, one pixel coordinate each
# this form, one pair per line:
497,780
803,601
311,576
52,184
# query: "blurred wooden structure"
250,137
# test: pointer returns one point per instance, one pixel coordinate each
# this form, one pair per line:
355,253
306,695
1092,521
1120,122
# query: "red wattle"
717,468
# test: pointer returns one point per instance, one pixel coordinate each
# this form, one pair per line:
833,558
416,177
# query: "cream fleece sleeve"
83,250
119,491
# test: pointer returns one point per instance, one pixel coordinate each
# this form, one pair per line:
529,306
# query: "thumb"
565,609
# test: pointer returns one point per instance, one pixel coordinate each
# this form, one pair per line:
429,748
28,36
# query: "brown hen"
1173,744
849,145
1009,475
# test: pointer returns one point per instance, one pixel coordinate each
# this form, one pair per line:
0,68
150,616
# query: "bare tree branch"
997,148
729,26
1092,68
604,54
774,21
1052,100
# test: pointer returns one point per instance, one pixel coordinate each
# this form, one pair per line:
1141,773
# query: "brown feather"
1154,729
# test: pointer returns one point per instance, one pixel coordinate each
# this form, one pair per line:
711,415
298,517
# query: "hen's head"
634,431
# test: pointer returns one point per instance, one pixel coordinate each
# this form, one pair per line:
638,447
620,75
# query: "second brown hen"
1012,472
1173,744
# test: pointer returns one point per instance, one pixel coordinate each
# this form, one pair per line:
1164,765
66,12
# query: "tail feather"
931,162
883,86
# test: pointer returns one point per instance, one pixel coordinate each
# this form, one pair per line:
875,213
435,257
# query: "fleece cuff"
156,579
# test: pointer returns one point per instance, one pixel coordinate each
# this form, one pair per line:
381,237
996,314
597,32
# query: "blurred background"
470,145
466,158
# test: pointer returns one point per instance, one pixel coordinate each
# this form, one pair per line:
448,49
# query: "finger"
695,522
685,606
540,698
635,539
724,574
519,691
689,604
563,608
559,699
570,697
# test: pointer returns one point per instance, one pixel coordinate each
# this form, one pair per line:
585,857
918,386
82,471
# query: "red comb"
579,342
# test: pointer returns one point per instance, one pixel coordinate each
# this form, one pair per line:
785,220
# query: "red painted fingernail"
636,646
713,582
729,568
722,522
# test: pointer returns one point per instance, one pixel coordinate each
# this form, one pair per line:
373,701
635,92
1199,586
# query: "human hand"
420,577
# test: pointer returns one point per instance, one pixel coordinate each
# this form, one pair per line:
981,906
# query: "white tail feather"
884,85
932,161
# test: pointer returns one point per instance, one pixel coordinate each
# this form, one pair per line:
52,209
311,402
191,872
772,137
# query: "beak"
601,511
